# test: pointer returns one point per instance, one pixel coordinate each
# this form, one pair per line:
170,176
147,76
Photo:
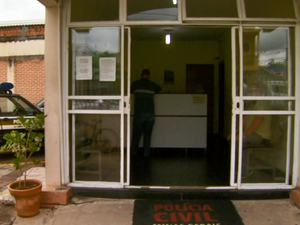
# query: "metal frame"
65,157
119,112
242,17
236,23
240,112
127,100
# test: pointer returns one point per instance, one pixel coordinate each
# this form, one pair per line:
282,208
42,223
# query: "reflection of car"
11,107
41,105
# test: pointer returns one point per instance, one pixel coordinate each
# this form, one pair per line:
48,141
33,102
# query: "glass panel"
96,61
265,55
91,10
99,104
269,9
211,8
97,147
126,149
152,10
268,105
265,149
290,140
236,150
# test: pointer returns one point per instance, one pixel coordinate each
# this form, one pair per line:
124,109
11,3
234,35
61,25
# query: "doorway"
191,58
200,80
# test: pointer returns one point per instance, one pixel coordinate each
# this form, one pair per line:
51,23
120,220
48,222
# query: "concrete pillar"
53,124
49,3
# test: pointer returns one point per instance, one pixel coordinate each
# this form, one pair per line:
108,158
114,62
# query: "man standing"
144,118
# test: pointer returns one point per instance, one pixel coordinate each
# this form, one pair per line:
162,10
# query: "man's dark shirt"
144,91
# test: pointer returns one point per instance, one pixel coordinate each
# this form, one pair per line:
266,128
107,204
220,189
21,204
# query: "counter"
180,121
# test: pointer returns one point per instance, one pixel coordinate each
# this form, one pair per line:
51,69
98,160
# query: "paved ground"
98,211
93,211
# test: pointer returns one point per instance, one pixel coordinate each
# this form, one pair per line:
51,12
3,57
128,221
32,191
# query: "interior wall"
225,55
158,57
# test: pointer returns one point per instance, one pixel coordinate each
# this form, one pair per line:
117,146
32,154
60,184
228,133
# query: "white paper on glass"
84,68
107,69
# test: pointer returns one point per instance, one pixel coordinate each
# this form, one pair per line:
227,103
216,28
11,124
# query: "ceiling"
179,33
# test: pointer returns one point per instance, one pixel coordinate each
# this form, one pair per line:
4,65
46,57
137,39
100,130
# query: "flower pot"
27,200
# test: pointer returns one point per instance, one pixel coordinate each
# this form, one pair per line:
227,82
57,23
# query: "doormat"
188,212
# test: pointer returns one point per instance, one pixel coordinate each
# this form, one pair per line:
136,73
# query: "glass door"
97,105
263,110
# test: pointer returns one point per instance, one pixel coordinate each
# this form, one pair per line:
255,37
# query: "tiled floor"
180,167
168,167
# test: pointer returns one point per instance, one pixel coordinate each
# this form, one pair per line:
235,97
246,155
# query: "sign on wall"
84,68
107,69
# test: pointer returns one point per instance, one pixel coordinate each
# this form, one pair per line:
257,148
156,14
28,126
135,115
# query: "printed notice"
107,69
84,68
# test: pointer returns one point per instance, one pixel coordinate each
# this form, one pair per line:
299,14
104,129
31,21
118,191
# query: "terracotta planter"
27,201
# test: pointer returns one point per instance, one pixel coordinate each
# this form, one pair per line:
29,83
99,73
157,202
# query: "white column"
53,127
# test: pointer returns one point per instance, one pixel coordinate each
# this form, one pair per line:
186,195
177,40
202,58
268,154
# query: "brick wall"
29,79
15,33
28,72
3,70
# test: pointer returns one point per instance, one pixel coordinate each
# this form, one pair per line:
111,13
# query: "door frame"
123,112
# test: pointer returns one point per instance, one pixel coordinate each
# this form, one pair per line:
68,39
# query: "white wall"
158,57
22,48
225,50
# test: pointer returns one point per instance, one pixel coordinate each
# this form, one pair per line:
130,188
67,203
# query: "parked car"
11,107
41,105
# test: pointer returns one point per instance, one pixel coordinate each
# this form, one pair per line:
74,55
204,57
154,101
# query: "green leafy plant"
24,143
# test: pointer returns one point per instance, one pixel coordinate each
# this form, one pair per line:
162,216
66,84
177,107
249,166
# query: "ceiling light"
168,39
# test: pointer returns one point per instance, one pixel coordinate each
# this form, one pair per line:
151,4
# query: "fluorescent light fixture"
175,2
168,39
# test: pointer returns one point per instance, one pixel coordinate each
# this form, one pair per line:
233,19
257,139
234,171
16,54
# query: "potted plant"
27,192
